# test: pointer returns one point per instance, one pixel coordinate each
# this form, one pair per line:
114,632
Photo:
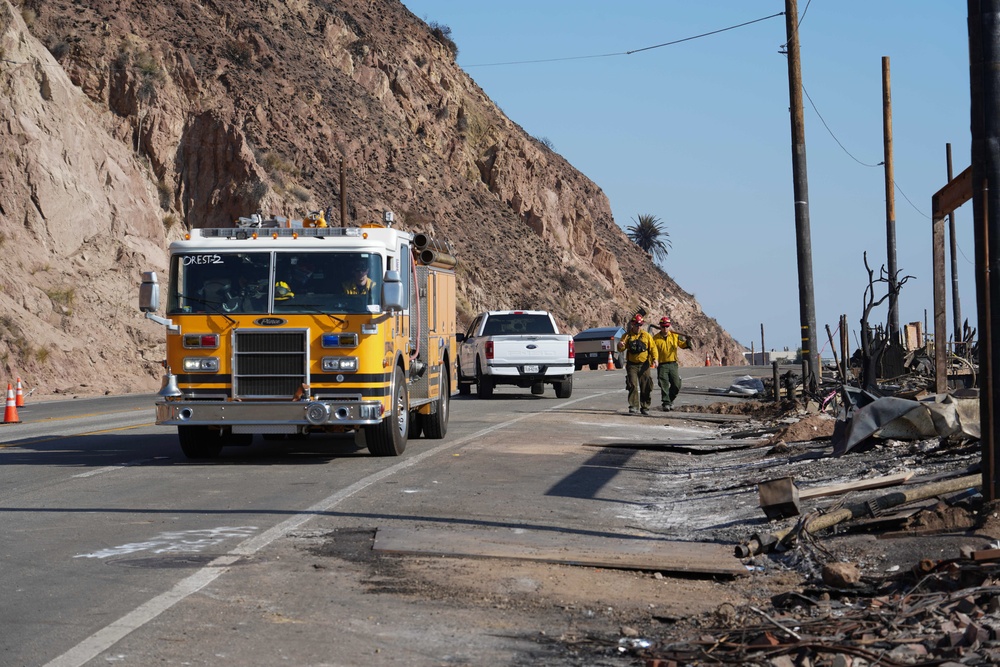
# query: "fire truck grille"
269,364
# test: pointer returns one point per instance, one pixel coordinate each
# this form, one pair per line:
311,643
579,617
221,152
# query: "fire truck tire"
484,383
388,437
564,389
436,424
199,442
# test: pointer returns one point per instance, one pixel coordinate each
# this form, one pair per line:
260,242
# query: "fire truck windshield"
275,282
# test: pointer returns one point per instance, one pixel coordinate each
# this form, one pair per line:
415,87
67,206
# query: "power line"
822,120
896,185
624,53
714,32
864,164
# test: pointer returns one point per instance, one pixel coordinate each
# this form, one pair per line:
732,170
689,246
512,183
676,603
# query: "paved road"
114,545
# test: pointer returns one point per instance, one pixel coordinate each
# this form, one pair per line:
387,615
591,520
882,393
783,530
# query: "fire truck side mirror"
149,293
392,292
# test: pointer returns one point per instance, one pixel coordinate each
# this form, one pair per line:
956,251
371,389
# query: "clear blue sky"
698,134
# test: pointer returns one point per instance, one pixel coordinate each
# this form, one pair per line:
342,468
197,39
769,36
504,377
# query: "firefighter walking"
667,374
640,357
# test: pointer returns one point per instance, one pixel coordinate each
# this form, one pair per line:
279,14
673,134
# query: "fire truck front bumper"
268,416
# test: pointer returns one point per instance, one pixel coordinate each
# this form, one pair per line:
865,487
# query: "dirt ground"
843,596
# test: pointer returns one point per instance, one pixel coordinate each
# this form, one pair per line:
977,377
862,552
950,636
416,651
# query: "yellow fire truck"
285,328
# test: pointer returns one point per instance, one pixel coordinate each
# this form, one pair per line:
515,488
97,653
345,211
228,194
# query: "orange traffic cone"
611,362
19,394
10,414
708,360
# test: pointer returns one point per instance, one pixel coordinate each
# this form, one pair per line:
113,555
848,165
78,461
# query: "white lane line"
99,471
111,634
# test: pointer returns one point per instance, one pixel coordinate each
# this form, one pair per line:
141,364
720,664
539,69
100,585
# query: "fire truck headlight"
201,364
331,364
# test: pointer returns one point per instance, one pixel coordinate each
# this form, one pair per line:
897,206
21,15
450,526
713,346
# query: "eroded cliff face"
128,122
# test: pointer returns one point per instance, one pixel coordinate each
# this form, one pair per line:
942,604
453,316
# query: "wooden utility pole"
890,203
763,354
800,185
844,344
956,303
984,78
343,194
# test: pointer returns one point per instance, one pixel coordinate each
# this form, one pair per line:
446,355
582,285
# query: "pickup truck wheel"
388,437
464,388
593,366
436,423
538,388
564,389
619,362
199,442
484,383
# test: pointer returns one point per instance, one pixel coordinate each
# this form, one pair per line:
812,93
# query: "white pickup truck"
517,347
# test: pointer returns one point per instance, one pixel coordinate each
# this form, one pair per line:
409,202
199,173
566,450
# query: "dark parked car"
593,346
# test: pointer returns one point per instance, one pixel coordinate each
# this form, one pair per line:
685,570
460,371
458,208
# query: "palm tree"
648,233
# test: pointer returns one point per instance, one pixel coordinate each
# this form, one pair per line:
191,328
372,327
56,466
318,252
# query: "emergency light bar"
247,232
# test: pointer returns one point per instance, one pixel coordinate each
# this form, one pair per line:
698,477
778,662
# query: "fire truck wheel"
388,437
199,442
484,383
436,424
564,389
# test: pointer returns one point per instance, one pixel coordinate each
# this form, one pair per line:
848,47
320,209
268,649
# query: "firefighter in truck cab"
284,329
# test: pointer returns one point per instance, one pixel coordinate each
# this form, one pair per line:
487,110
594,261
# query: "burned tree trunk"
875,341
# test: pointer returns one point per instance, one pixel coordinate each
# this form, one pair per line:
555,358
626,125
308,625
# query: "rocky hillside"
123,123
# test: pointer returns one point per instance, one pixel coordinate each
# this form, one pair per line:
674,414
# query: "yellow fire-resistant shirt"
354,289
647,354
667,342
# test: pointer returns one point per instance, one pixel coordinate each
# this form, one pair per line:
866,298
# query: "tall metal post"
984,78
800,185
890,203
956,302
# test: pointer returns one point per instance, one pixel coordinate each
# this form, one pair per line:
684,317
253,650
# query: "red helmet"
664,321
637,319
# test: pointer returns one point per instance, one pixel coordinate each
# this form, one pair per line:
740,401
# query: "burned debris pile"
939,612
871,495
